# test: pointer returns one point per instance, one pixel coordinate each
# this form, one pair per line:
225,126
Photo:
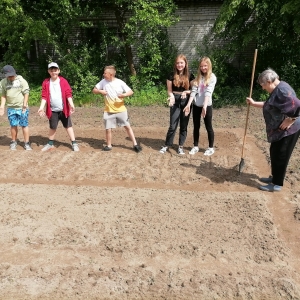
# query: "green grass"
157,95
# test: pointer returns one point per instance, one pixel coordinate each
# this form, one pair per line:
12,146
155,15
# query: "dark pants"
177,116
208,125
280,154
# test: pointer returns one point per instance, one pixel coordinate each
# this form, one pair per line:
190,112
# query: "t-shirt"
14,91
179,88
113,104
56,102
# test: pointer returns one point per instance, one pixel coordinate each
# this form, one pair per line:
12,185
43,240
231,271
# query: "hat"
9,71
53,65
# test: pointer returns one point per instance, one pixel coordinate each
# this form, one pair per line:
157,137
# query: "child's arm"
41,109
3,101
96,91
25,102
71,103
193,93
127,94
171,98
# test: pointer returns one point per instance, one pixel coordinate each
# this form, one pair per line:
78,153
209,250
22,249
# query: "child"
57,96
178,84
202,90
114,91
14,91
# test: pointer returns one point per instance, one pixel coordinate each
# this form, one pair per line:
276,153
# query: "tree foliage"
73,33
271,25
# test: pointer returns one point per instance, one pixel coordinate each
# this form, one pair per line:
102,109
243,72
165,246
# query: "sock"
74,142
50,142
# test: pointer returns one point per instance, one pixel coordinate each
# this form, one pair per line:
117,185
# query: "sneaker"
75,147
194,150
137,148
270,188
266,179
47,147
164,149
209,151
13,145
180,151
106,148
27,146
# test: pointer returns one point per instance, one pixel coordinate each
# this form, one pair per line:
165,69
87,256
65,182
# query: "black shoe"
106,148
137,148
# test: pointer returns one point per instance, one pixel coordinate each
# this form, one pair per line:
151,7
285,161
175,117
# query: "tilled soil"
126,225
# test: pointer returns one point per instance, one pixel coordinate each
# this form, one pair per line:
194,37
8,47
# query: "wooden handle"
250,95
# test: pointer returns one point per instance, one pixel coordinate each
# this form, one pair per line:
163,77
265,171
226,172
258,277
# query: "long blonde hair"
200,75
184,79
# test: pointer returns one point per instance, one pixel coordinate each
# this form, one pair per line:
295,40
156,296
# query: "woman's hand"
249,101
183,95
187,110
171,101
286,123
203,112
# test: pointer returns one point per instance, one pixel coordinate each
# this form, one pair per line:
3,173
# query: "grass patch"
157,95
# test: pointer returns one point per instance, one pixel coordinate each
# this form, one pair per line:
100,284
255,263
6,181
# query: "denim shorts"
17,118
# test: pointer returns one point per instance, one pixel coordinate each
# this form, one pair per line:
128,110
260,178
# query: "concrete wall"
196,19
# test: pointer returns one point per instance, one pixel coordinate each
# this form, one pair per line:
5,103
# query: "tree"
272,25
140,24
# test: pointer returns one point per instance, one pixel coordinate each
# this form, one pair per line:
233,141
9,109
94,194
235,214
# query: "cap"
9,71
53,65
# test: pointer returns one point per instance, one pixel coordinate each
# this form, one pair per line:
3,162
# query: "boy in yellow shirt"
114,91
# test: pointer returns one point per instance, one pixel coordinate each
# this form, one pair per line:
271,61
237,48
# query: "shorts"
17,118
112,120
59,116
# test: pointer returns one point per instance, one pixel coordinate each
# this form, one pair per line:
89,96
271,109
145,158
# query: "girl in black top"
178,86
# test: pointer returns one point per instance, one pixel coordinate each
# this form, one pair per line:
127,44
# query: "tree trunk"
129,56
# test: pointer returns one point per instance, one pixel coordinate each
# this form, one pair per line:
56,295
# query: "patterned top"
14,91
281,104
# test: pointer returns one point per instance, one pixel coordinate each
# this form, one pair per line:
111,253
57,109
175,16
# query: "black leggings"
208,125
280,154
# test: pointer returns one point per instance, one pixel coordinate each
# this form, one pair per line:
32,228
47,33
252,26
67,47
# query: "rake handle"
248,105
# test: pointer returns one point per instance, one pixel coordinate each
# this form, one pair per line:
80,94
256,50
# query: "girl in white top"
202,90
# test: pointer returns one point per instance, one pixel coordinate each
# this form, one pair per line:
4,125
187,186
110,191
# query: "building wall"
196,19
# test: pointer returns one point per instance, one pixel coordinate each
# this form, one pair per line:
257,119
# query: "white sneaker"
13,145
163,149
27,146
209,151
180,151
75,147
194,150
47,147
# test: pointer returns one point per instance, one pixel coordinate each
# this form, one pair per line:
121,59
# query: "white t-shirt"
113,104
56,101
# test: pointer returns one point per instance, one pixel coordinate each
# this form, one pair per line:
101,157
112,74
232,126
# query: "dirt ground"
122,225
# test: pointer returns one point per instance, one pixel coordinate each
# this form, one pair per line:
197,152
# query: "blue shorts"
17,118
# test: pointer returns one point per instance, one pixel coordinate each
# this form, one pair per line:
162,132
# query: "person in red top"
57,97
